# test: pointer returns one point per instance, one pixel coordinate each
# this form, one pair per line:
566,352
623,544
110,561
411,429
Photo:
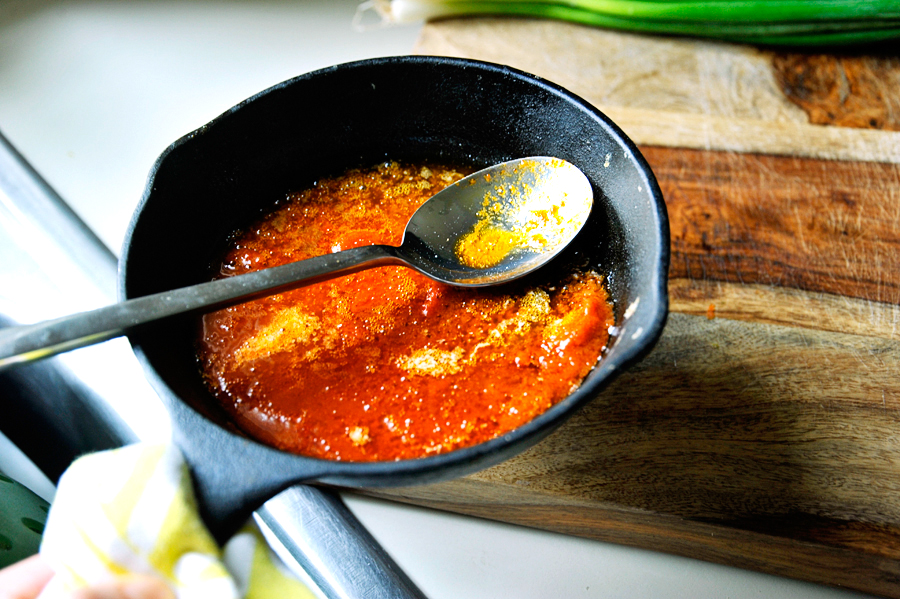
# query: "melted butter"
287,328
433,362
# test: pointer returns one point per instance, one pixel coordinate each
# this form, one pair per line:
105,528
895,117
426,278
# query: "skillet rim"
653,311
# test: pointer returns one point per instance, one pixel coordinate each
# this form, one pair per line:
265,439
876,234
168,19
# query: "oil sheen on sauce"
386,364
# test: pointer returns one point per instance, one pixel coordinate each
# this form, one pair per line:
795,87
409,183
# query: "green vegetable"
775,22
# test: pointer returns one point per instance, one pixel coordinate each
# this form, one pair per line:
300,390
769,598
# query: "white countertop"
92,91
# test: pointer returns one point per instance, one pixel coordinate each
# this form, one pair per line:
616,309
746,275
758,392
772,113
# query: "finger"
133,587
25,579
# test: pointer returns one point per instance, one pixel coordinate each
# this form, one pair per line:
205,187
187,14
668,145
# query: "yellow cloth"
132,511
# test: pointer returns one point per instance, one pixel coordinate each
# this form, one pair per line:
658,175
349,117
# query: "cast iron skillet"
228,172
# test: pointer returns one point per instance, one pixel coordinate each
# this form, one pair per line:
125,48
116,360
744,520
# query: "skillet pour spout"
413,109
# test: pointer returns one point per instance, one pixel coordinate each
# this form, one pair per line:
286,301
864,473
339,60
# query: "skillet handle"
308,527
314,533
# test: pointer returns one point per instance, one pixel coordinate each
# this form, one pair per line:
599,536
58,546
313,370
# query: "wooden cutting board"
764,429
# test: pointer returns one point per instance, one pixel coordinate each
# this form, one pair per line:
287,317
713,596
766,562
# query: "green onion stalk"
768,22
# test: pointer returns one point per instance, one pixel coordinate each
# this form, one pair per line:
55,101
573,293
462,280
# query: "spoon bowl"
500,223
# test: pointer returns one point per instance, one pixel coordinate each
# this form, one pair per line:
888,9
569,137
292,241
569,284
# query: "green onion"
772,22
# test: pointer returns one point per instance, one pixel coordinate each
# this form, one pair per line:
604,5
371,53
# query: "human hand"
27,578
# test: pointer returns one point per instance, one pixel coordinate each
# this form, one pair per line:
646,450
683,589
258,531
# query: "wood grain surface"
848,91
801,223
677,92
764,429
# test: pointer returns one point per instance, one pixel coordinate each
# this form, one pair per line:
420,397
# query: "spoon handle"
27,343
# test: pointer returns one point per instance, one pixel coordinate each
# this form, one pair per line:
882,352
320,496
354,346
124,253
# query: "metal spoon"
491,227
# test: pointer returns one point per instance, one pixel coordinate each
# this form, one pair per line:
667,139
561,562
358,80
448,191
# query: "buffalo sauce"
386,364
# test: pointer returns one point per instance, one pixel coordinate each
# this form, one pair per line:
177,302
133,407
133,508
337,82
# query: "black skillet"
228,172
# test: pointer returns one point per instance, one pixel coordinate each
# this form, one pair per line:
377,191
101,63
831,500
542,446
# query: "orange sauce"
386,364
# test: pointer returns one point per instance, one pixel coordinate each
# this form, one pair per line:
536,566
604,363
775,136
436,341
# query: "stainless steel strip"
316,532
27,196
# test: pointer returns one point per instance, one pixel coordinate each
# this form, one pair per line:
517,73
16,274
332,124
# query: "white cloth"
132,511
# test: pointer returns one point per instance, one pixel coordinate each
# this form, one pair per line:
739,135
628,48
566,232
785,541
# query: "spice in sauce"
387,364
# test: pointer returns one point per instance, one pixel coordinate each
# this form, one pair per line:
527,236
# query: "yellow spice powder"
486,245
